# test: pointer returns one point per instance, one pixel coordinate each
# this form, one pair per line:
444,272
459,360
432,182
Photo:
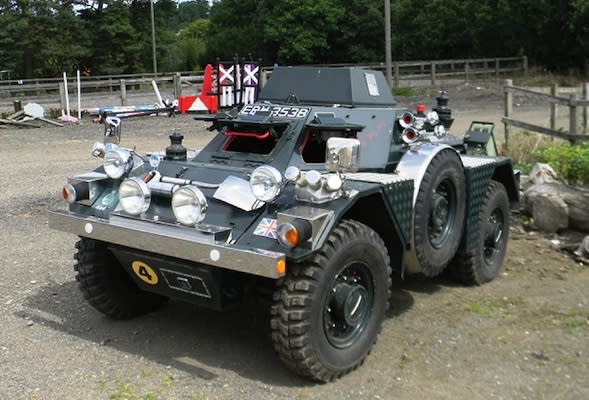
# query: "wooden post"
433,73
525,65
586,98
573,116
508,106
177,85
62,95
497,69
263,78
123,92
466,71
553,107
396,67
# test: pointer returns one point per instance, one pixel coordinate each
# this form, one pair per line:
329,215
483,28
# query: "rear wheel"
329,310
484,263
439,212
106,286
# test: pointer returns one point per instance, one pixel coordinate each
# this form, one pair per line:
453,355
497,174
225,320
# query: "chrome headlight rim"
134,196
117,162
266,183
189,205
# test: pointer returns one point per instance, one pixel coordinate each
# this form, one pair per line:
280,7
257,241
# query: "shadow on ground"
191,339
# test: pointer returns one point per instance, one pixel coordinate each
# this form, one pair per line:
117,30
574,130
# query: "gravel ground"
523,336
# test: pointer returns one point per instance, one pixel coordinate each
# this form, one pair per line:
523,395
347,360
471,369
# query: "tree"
191,45
40,38
116,46
236,27
301,31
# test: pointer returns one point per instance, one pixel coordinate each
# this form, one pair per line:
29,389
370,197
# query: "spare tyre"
439,212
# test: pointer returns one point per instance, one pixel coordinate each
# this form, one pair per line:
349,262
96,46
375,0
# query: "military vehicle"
321,189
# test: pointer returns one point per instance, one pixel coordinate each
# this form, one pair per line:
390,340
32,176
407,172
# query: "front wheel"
328,311
106,286
484,263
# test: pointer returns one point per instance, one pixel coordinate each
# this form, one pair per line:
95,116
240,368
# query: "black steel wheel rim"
442,213
348,305
494,236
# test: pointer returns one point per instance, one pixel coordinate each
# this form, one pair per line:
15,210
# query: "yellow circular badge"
145,272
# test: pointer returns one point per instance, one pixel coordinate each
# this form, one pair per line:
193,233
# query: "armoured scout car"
322,188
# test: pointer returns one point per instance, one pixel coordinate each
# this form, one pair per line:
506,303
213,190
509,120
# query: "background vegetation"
42,38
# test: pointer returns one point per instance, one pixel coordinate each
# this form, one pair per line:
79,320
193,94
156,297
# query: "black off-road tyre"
107,286
484,263
439,212
328,311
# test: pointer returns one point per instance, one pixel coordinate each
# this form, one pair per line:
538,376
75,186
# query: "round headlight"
134,196
266,183
117,162
189,205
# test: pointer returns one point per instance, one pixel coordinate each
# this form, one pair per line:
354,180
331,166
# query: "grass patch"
523,146
403,91
573,320
488,309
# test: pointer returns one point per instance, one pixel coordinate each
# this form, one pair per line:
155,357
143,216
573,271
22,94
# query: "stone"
550,213
543,173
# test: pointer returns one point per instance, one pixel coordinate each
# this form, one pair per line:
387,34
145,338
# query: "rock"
550,213
583,250
548,203
525,182
543,173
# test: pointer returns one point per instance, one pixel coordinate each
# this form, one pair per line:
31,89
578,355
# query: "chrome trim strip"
259,262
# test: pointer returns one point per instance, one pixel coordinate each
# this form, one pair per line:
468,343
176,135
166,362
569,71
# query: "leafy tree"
116,46
188,12
191,45
40,38
301,31
236,27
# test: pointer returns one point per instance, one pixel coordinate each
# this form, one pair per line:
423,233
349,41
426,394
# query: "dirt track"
523,336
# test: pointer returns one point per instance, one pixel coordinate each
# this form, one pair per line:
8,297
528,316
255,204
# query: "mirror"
342,154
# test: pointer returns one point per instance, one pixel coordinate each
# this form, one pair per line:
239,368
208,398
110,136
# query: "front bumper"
165,240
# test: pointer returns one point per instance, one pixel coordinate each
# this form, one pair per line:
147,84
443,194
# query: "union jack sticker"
267,227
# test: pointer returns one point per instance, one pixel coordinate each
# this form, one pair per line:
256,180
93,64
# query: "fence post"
62,95
396,67
497,68
466,71
433,73
123,92
553,106
525,65
586,98
508,105
573,116
177,85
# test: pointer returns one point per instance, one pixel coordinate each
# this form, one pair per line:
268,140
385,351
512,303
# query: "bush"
571,162
523,146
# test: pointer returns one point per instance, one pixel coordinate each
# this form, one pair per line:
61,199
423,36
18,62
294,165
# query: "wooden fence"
573,102
410,73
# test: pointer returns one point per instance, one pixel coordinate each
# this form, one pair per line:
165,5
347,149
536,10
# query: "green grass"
403,91
488,309
573,320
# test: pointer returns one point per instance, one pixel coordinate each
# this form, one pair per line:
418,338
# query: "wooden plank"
558,99
18,123
543,130
50,121
17,115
